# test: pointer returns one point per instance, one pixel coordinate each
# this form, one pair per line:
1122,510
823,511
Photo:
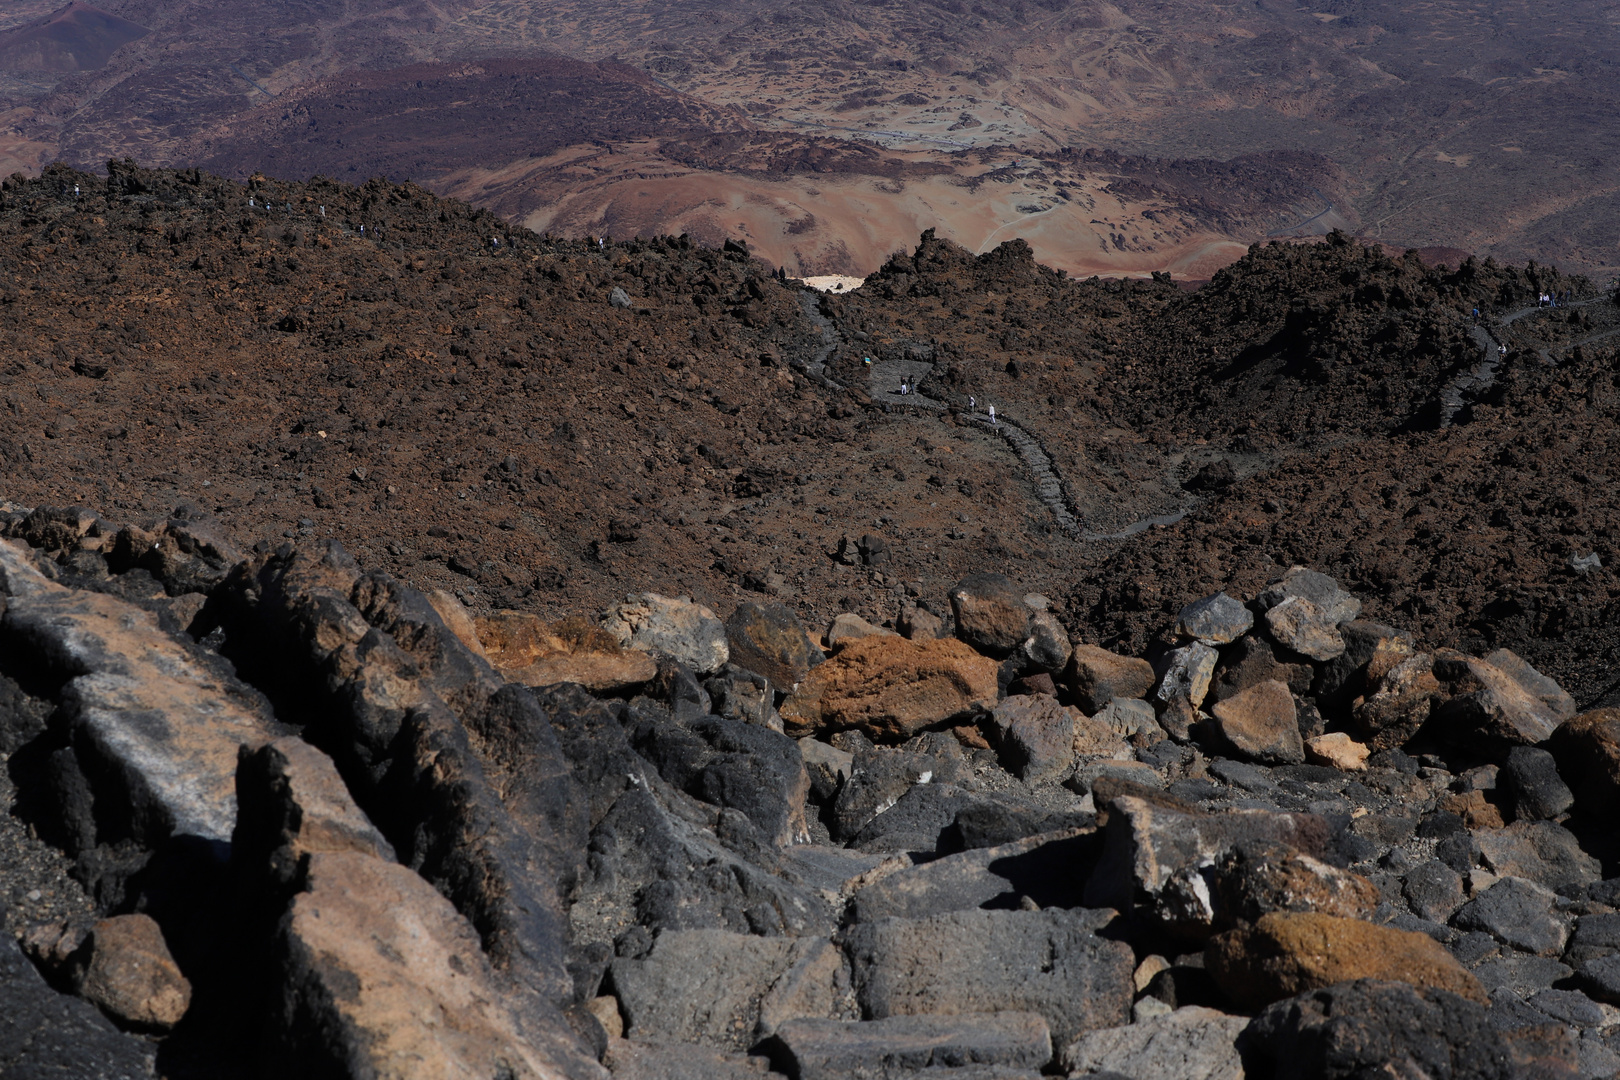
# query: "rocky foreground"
272,812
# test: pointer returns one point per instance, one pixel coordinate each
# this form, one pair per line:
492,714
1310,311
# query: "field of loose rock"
277,812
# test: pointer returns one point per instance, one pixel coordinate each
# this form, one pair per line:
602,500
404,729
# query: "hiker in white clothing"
992,416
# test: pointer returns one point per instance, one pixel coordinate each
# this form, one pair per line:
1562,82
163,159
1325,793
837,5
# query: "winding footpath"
1482,375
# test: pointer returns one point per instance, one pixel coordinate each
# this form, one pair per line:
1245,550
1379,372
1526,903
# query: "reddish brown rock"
1097,676
1288,953
1261,724
1400,704
891,687
524,648
131,977
990,613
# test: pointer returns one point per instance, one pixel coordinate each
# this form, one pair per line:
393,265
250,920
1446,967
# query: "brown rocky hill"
960,116
546,425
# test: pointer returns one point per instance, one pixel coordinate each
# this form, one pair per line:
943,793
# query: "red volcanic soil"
76,38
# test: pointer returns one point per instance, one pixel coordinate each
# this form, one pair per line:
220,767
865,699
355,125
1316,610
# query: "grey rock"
1049,962
915,822
729,763
739,694
877,779
1034,737
686,632
1373,1028
1519,973
1519,913
645,1059
1600,978
1131,717
1336,605
1300,626
1488,706
1544,689
990,614
835,872
1185,673
1048,647
850,627
1191,1043
1086,774
1542,851
1570,1006
1433,890
158,729
917,622
898,1047
1145,844
619,298
1214,620
1595,935
827,766
45,1035
1583,564
1530,777
725,990
1048,868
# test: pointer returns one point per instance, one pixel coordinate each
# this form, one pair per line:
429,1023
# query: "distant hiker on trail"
973,406
992,416
1476,316
903,389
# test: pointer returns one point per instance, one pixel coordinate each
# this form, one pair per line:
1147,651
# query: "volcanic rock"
1035,737
990,614
377,969
1300,626
1260,723
1587,749
47,1034
878,778
525,649
1531,781
1288,953
1539,686
1048,962
1214,620
1540,851
891,688
1519,913
1400,704
1338,750
1191,1043
1322,592
1252,659
1370,1026
1487,705
847,627
769,639
686,632
1185,673
1433,890
739,694
1047,648
726,990
900,1045
1097,677
131,977
1049,868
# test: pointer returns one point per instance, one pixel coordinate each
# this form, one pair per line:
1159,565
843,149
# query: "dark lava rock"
1530,778
1518,913
47,1035
1370,1028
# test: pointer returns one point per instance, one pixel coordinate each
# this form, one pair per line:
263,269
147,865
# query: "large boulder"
1539,686
1372,1027
1540,851
1049,962
1185,674
1300,626
1518,913
526,649
380,976
1336,605
891,688
769,639
678,628
1399,705
1587,749
1530,779
1288,953
1097,676
990,614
